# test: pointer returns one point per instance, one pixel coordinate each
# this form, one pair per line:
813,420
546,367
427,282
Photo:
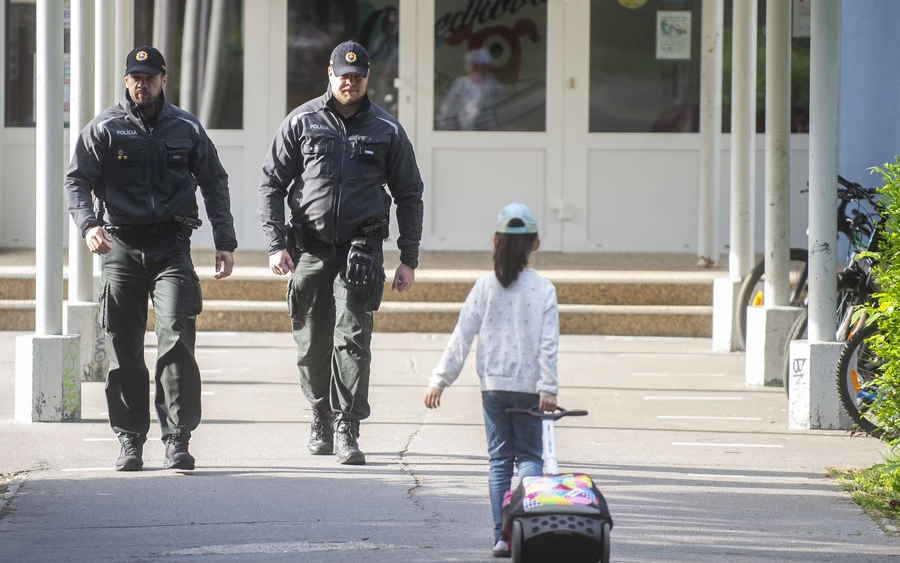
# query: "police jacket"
147,175
333,172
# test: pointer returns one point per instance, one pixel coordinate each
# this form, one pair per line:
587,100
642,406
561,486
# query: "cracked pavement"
696,467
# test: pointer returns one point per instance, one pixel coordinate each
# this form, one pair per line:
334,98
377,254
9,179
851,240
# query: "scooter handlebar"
555,415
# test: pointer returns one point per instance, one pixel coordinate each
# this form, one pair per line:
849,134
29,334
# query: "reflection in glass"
315,27
203,43
645,67
799,75
490,66
21,37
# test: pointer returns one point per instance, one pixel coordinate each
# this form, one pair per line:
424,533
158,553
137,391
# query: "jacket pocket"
370,156
316,158
197,296
177,161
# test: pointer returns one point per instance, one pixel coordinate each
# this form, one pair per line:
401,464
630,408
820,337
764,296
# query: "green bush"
886,344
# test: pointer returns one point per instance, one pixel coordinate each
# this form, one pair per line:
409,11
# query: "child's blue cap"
516,211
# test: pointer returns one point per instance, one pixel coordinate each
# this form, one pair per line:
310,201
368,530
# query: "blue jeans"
511,439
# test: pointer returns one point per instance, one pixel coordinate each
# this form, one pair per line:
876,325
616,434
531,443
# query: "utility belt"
178,224
371,234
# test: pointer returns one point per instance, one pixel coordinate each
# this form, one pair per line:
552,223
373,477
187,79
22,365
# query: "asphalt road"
696,466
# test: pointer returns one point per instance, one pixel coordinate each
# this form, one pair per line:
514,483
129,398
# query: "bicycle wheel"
752,288
798,332
856,370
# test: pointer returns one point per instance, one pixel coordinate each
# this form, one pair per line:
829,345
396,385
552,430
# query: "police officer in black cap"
339,160
142,160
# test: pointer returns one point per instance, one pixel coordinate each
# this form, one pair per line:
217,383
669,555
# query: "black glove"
362,271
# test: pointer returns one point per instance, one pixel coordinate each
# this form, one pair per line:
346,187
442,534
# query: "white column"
211,78
82,313
124,34
710,130
767,327
778,148
48,386
105,85
81,111
824,85
189,44
814,402
743,159
743,136
49,158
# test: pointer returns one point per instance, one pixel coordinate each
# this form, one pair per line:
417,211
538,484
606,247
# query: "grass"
876,489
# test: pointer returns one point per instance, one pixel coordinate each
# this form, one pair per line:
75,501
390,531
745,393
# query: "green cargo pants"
160,267
332,327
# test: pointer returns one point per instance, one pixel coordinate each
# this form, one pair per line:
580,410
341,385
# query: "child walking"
514,312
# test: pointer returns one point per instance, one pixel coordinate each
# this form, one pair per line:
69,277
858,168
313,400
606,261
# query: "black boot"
346,433
131,455
321,432
177,455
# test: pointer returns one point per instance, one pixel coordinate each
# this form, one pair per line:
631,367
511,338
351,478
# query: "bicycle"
854,283
751,291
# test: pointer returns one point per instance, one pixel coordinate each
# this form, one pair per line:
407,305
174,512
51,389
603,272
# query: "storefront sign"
673,35
801,18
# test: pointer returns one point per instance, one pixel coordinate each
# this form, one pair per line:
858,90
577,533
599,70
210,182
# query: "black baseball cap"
145,59
348,57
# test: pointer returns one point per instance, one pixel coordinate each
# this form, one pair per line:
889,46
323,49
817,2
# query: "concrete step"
396,316
649,303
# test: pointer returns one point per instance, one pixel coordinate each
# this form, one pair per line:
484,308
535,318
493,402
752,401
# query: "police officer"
331,159
143,159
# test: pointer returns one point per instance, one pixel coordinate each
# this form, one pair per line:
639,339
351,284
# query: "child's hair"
511,253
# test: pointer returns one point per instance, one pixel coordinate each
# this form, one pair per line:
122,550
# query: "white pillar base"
83,318
813,400
725,294
767,329
48,383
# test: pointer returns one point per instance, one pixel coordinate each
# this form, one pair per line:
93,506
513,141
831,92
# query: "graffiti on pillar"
797,365
71,399
96,369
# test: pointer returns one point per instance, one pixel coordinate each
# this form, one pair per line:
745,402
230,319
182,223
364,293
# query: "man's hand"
404,278
433,397
224,263
281,262
547,403
98,240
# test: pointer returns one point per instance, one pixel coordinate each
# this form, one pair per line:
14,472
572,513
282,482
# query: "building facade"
587,111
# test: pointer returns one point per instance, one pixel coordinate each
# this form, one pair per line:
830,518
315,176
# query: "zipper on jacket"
340,182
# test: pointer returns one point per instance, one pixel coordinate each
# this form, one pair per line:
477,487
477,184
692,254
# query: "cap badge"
350,57
141,55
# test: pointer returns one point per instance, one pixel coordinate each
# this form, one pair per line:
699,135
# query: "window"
21,37
645,67
490,65
316,27
205,62
799,73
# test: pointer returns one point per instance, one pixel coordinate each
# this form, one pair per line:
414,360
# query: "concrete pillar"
743,158
48,383
816,404
813,400
776,288
710,131
764,360
124,34
108,86
778,148
49,173
189,49
82,313
824,85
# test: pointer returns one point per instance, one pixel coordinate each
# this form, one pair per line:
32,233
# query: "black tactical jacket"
146,175
333,172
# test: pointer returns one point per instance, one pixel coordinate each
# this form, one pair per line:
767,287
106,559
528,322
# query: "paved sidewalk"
697,468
